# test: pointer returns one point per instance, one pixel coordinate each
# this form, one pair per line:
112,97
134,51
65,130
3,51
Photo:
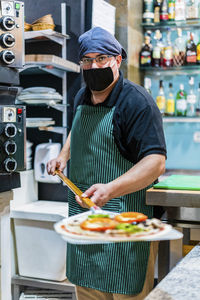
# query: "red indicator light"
19,111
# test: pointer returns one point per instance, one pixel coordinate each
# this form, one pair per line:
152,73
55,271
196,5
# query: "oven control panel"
12,33
12,138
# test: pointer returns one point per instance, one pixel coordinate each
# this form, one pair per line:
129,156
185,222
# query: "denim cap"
99,40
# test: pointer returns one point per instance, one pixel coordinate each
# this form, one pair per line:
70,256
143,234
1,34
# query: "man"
117,150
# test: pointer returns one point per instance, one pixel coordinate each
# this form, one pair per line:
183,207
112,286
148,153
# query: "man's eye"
86,61
101,58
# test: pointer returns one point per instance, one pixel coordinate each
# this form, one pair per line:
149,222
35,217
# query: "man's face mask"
98,79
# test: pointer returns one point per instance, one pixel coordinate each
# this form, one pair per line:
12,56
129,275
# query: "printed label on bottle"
160,101
181,105
156,53
191,57
198,53
145,60
168,53
170,108
164,16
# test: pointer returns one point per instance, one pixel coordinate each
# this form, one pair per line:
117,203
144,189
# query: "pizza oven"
12,116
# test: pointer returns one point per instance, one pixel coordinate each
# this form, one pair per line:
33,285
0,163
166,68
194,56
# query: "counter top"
173,198
183,282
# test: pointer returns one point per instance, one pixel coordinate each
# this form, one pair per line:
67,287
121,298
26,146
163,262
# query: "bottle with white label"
191,100
180,11
181,102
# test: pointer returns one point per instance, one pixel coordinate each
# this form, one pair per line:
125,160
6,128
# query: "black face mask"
98,79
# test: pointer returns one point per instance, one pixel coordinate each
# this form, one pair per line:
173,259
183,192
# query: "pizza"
105,226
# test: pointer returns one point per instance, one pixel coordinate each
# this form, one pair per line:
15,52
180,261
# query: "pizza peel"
78,192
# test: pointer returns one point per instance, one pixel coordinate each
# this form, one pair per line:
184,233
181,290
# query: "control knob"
10,164
7,57
7,40
10,147
10,130
7,23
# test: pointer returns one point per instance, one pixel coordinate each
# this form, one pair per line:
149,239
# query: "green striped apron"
95,158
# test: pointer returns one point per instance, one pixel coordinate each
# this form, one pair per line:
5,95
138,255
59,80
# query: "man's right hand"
56,163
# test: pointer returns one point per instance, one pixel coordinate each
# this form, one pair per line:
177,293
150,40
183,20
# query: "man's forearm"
65,152
139,176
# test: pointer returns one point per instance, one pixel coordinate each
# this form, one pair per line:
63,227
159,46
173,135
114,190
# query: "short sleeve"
138,127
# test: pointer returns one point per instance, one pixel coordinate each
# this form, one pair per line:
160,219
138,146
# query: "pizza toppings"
98,224
98,216
130,217
107,227
129,228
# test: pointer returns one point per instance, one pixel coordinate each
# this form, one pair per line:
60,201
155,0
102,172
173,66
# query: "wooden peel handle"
74,188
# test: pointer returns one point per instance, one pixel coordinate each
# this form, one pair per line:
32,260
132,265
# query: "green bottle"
181,102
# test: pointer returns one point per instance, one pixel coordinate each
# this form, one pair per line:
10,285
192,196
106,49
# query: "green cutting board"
180,182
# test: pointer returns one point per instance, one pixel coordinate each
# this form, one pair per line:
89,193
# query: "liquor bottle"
191,50
160,99
179,49
148,11
157,8
181,102
191,100
171,10
164,11
191,10
168,52
198,102
147,84
198,52
146,52
157,50
180,10
170,103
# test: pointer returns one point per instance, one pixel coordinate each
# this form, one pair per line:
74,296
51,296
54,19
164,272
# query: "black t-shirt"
137,121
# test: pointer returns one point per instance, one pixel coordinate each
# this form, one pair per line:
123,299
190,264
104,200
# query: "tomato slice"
129,217
98,224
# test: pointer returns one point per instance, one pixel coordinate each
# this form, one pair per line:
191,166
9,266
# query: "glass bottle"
170,102
147,84
181,102
191,50
146,52
164,11
148,11
191,10
171,10
179,49
191,100
157,8
180,10
160,99
157,50
198,102
168,52
198,52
